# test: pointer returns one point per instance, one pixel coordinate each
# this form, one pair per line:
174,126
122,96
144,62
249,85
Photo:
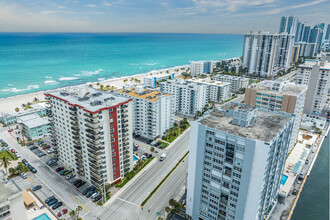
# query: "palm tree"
23,105
5,162
78,209
16,109
35,100
72,213
90,85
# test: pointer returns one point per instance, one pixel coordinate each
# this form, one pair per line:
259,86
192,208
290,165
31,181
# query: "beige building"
279,96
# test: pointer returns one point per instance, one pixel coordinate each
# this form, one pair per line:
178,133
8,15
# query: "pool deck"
296,160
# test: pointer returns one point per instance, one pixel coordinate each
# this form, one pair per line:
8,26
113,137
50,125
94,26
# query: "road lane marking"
80,203
30,179
164,181
128,202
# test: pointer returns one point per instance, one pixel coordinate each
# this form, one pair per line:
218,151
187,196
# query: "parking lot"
51,181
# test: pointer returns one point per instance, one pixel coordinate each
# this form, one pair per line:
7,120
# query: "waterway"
314,200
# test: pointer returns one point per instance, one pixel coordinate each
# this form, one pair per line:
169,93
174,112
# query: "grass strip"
161,182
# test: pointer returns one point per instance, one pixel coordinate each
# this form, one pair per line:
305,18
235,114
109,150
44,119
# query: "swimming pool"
42,217
134,158
295,169
284,179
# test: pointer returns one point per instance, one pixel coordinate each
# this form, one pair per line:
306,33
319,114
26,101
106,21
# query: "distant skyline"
156,16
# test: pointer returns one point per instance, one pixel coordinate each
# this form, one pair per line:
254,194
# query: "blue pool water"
134,158
284,179
42,217
295,169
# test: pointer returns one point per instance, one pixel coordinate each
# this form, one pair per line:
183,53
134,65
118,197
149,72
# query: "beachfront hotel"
265,53
236,160
236,82
93,133
189,97
316,75
217,91
151,81
153,111
279,96
201,67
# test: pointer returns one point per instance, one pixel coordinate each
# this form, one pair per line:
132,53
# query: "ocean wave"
20,90
50,82
133,64
151,64
89,73
100,79
48,77
68,78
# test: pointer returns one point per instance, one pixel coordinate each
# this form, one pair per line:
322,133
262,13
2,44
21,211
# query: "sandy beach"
9,104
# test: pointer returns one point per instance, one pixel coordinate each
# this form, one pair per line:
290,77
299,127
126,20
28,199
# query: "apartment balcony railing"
78,156
76,142
78,151
124,116
75,132
73,118
93,132
90,115
78,147
81,173
92,121
92,126
76,128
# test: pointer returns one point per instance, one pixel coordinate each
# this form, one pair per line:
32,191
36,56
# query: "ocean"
31,62
314,200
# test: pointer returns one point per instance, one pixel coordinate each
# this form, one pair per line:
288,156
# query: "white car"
50,151
18,155
23,175
94,195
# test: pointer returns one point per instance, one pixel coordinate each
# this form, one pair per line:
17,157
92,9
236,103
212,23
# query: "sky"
156,16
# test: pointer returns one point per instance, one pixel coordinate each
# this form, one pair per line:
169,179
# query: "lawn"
173,132
8,154
163,144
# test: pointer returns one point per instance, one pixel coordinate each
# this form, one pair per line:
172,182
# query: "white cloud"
61,7
164,3
279,10
91,6
107,3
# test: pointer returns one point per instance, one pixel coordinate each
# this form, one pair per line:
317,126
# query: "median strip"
161,182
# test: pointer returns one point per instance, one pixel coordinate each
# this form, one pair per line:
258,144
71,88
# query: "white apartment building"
264,52
279,96
236,82
153,111
217,91
236,160
93,133
151,81
189,97
201,67
316,75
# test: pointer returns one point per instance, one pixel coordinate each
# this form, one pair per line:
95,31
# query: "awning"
28,200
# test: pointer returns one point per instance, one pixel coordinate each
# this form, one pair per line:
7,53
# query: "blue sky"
174,16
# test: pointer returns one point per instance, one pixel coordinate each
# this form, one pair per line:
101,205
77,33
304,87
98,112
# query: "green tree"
5,162
152,149
90,85
16,109
72,214
35,100
23,106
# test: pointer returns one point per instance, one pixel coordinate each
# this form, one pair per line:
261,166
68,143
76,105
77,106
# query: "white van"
162,157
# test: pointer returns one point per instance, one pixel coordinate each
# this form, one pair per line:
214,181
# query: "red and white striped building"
93,133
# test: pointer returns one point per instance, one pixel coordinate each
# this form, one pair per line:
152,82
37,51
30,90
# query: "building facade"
33,126
151,81
279,96
153,111
316,75
201,67
236,82
217,91
189,97
93,133
264,52
236,160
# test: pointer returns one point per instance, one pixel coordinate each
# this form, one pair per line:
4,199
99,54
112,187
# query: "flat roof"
288,89
33,120
90,99
150,95
208,81
264,128
7,189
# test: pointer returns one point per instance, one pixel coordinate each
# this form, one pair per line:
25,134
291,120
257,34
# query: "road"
46,175
126,206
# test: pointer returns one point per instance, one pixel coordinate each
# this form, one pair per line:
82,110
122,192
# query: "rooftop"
264,128
183,83
287,89
310,63
150,95
90,99
33,120
208,81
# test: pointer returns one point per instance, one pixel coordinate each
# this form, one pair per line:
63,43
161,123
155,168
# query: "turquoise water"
295,169
31,62
42,217
314,200
134,158
284,179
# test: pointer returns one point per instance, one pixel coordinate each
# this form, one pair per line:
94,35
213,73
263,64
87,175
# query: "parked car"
67,172
145,154
34,170
18,155
51,151
37,187
143,157
97,198
52,202
59,214
70,176
33,148
63,171
51,162
92,189
42,154
162,157
49,198
294,192
89,194
25,162
64,211
94,195
58,169
149,156
12,150
29,166
80,184
23,175
46,147
86,190
76,182
306,161
59,204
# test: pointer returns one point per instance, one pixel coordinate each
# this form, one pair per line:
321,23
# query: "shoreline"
12,102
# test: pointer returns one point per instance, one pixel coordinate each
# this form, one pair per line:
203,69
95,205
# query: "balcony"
76,137
76,142
78,156
93,132
51,119
92,121
124,130
125,143
124,116
72,108
77,147
124,111
127,161
75,133
73,113
76,128
73,118
81,173
78,151
74,123
92,126
90,115
93,142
